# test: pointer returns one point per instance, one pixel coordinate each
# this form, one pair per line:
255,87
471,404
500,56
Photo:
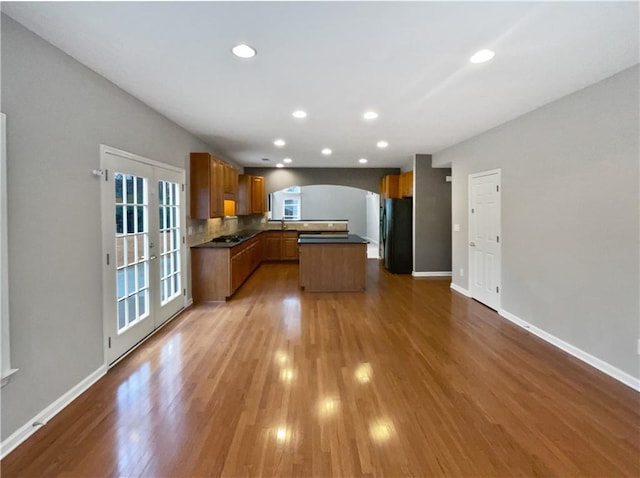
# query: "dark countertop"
311,231
244,237
309,220
330,239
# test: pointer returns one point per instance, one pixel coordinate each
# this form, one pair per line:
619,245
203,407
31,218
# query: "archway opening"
326,202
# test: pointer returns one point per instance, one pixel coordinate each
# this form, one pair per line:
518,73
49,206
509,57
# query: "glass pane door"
132,249
170,245
142,226
170,265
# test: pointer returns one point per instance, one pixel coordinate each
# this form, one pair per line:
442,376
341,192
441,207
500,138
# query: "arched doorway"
331,202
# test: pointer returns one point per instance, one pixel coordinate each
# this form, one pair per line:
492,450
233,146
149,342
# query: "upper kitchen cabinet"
406,185
230,183
251,195
207,184
390,186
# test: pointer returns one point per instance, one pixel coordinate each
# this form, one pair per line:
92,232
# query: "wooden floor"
406,379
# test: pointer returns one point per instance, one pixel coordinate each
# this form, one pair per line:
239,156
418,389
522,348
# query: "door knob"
472,244
153,257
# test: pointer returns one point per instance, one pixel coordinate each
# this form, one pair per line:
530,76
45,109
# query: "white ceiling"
407,61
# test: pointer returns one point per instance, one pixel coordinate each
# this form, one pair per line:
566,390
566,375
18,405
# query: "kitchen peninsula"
332,263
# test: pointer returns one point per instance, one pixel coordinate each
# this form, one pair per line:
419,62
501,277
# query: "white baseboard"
29,428
432,274
595,362
460,290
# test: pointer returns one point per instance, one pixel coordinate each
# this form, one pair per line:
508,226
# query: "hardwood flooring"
405,379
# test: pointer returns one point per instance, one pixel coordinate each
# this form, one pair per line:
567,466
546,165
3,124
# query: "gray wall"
362,178
570,218
329,202
432,217
58,113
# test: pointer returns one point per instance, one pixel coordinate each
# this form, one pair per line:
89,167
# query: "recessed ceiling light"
286,160
279,143
243,51
299,114
363,160
382,144
279,165
482,56
370,115
326,151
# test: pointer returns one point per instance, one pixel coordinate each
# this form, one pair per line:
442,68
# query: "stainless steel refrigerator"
397,235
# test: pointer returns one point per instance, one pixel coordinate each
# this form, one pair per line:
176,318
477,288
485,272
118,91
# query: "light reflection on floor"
291,316
134,427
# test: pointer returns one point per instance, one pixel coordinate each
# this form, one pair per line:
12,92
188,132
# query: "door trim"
104,149
472,176
111,151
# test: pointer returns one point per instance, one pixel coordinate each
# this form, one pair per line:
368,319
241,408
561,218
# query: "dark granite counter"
233,240
331,239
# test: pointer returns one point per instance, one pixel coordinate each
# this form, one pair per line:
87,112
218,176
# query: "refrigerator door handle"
384,225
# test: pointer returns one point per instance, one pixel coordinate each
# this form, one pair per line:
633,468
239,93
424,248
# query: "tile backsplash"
203,230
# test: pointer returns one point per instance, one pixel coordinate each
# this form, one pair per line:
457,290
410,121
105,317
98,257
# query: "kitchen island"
332,263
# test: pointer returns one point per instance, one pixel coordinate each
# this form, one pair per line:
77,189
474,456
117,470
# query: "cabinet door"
199,185
290,247
216,177
236,271
273,246
406,184
257,195
206,186
390,186
230,182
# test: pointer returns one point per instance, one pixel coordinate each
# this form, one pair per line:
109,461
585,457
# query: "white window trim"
5,355
284,205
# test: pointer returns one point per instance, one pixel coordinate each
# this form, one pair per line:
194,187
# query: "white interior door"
484,237
143,223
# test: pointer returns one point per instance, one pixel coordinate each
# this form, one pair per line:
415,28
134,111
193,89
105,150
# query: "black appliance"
397,235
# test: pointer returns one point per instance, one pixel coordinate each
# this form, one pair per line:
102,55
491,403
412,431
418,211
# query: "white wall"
570,216
326,202
373,217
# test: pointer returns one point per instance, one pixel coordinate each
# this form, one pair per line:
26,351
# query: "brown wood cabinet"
406,184
390,186
230,186
333,267
206,187
251,195
281,246
289,246
245,258
217,273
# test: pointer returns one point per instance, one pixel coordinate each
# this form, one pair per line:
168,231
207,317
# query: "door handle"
472,244
153,257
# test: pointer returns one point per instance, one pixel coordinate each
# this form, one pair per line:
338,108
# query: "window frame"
297,203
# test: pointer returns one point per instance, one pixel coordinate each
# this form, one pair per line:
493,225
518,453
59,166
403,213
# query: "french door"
143,223
485,250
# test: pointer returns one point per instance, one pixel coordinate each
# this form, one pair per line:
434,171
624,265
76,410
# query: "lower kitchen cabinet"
281,246
217,272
